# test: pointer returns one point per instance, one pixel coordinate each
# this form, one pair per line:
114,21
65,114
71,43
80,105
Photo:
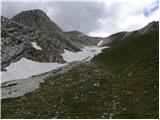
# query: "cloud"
9,9
78,15
94,18
151,8
126,15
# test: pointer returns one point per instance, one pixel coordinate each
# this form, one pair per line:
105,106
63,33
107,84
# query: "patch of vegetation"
121,82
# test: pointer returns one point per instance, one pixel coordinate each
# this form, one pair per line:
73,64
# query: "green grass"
121,82
135,64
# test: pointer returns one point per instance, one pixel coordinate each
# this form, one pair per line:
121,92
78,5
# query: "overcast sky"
96,18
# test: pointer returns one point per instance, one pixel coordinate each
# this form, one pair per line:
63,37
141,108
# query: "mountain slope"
80,39
121,82
15,41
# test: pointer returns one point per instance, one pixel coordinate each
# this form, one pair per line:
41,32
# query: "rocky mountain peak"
36,19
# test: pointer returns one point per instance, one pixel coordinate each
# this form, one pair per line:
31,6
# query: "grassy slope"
122,82
135,65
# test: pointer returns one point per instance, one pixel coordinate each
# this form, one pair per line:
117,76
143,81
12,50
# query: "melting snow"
34,44
25,68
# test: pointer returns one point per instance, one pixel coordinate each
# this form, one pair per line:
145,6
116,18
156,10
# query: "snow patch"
34,44
100,43
25,68
87,54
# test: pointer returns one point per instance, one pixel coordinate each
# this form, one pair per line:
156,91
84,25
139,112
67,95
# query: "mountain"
51,37
35,27
17,43
40,21
37,19
121,82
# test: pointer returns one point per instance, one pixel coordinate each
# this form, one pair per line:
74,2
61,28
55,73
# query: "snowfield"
25,68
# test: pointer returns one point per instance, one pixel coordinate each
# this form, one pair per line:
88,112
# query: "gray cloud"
92,18
79,15
82,16
9,9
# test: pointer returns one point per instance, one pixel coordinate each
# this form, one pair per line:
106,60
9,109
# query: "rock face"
14,40
16,43
37,19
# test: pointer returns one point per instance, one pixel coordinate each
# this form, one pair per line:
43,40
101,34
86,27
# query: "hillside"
135,63
117,37
121,82
80,39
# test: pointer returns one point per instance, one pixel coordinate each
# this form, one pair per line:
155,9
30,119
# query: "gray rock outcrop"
14,40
